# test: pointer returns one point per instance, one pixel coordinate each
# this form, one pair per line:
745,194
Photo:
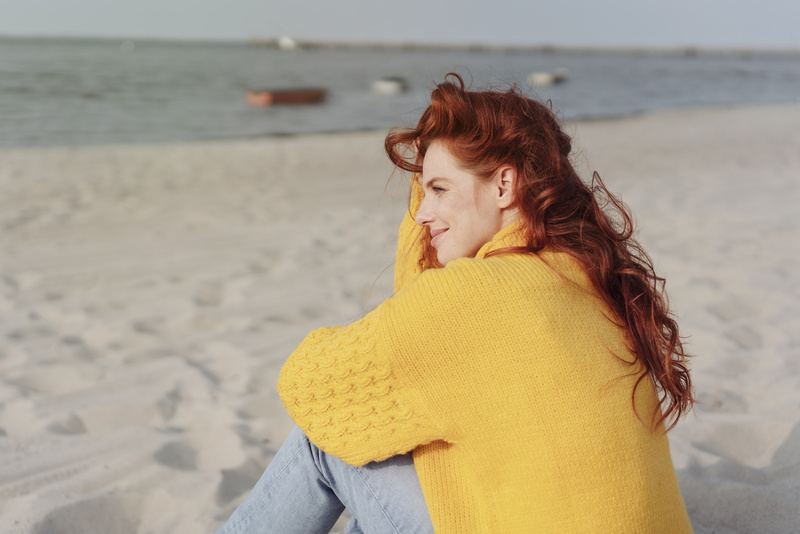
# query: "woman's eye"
437,189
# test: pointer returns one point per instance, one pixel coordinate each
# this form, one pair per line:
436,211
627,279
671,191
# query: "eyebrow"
428,182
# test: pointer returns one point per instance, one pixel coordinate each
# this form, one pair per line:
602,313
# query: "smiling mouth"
436,233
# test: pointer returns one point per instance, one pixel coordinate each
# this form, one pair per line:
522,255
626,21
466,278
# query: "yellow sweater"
510,385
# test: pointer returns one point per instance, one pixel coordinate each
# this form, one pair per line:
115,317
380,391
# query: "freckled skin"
462,212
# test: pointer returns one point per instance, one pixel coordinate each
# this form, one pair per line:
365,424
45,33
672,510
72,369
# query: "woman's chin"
446,257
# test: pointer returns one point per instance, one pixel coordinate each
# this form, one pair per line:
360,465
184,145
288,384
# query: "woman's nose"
424,216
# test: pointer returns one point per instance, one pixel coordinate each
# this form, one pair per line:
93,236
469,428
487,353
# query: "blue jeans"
305,490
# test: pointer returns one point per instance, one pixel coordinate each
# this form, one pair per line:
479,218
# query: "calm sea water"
69,92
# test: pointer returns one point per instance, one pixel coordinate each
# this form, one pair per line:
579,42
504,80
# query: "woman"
527,359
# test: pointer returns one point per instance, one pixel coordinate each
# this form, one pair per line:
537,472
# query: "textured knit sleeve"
414,251
342,388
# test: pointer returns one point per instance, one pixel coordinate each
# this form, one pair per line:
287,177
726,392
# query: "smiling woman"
520,378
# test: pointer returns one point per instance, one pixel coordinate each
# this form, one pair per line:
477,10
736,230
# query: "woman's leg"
382,496
304,490
288,497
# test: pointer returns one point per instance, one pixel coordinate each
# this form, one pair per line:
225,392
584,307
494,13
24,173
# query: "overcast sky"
715,23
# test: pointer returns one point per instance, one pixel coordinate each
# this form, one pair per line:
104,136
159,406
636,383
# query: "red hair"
488,129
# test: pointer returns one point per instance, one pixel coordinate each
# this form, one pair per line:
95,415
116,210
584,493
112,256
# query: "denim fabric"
305,490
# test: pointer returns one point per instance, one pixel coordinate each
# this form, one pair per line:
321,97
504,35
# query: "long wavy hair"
487,129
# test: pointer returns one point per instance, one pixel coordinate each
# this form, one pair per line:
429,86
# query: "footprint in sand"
56,379
99,337
168,404
22,281
731,310
208,295
177,455
223,364
69,424
745,337
93,516
150,326
238,480
31,333
215,447
720,400
734,310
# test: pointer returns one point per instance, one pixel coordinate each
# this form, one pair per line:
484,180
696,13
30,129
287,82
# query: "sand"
150,294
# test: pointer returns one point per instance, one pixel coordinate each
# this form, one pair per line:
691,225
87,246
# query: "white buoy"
390,85
286,43
548,77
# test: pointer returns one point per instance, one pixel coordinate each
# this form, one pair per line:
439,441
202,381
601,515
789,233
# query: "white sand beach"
149,295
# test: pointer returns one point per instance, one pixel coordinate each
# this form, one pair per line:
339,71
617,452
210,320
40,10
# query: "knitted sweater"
510,384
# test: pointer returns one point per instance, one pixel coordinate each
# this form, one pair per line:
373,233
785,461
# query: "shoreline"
656,112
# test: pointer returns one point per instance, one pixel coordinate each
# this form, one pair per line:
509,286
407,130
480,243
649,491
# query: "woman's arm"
343,387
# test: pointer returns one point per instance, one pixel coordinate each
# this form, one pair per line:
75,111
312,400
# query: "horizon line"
316,44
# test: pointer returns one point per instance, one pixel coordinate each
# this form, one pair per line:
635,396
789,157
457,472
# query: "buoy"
548,77
390,85
286,43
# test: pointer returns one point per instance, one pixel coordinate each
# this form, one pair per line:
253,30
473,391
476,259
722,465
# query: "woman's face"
462,212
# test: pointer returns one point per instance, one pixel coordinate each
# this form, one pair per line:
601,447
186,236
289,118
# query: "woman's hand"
414,251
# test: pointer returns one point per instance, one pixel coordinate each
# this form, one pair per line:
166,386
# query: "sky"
647,23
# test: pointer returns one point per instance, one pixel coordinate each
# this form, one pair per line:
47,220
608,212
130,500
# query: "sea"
111,91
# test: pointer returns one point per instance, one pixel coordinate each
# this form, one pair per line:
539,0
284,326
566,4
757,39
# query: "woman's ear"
504,179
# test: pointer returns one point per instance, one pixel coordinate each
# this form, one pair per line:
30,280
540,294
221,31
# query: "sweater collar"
513,235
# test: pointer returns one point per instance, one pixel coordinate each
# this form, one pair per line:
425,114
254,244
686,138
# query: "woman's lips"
436,233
